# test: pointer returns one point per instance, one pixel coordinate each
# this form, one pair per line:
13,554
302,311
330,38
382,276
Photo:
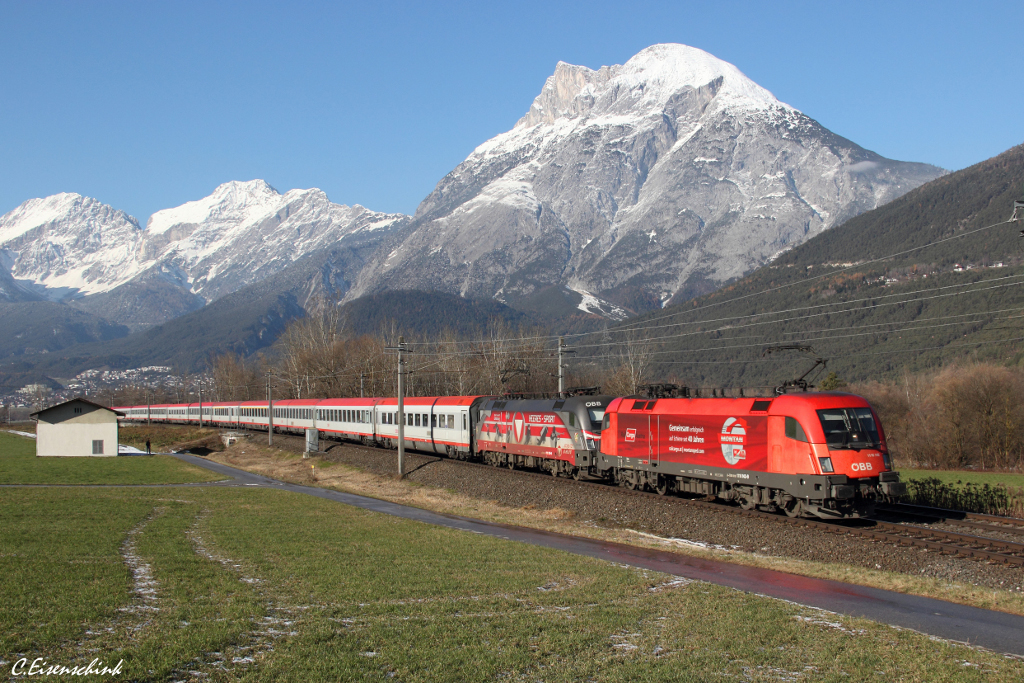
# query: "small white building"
76,427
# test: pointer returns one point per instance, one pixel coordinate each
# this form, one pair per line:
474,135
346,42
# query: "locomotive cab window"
596,418
794,430
852,428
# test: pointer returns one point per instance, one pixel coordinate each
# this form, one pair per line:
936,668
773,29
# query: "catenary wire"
643,326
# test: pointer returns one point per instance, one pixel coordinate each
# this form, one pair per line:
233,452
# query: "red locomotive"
816,455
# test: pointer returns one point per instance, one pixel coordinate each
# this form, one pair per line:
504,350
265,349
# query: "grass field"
19,465
254,585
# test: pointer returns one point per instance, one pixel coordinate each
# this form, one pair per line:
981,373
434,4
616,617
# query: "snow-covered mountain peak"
41,211
639,183
67,244
234,202
647,82
670,67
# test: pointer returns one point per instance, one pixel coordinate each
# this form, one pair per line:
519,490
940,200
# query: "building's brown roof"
79,400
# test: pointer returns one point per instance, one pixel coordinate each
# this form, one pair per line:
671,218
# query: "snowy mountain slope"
67,244
75,249
245,231
663,177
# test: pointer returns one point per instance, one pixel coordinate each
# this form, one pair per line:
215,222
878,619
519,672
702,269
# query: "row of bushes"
962,417
969,497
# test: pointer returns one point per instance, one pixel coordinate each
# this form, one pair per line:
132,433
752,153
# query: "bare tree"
308,348
635,356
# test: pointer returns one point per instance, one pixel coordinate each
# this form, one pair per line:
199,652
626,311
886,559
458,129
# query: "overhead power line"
644,325
908,298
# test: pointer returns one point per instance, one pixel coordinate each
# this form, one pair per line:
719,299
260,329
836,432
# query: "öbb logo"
861,466
734,433
631,435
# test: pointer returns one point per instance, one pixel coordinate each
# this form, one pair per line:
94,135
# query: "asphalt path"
992,630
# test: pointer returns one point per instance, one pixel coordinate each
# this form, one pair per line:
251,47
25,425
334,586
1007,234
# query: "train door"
434,434
654,445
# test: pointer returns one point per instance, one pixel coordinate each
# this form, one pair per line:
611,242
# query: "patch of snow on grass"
683,542
830,624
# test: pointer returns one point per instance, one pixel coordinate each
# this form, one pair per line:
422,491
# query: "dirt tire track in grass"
144,586
254,643
145,595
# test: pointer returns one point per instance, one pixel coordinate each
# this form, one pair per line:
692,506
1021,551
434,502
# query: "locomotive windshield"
849,428
596,417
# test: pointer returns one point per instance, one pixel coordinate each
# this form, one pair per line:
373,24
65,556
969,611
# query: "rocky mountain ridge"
65,244
636,185
75,249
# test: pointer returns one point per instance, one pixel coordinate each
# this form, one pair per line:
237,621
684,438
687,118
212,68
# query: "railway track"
993,523
946,542
964,545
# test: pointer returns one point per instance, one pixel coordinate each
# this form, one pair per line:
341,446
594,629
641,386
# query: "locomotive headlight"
826,464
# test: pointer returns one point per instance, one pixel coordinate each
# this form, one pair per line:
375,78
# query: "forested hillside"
869,296
419,314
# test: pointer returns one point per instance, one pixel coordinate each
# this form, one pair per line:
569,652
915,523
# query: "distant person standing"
148,452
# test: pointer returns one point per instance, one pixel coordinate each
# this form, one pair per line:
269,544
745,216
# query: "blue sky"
147,105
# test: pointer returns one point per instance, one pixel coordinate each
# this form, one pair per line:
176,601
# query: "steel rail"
1005,525
917,531
946,513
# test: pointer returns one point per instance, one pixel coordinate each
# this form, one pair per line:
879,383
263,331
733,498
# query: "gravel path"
612,509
